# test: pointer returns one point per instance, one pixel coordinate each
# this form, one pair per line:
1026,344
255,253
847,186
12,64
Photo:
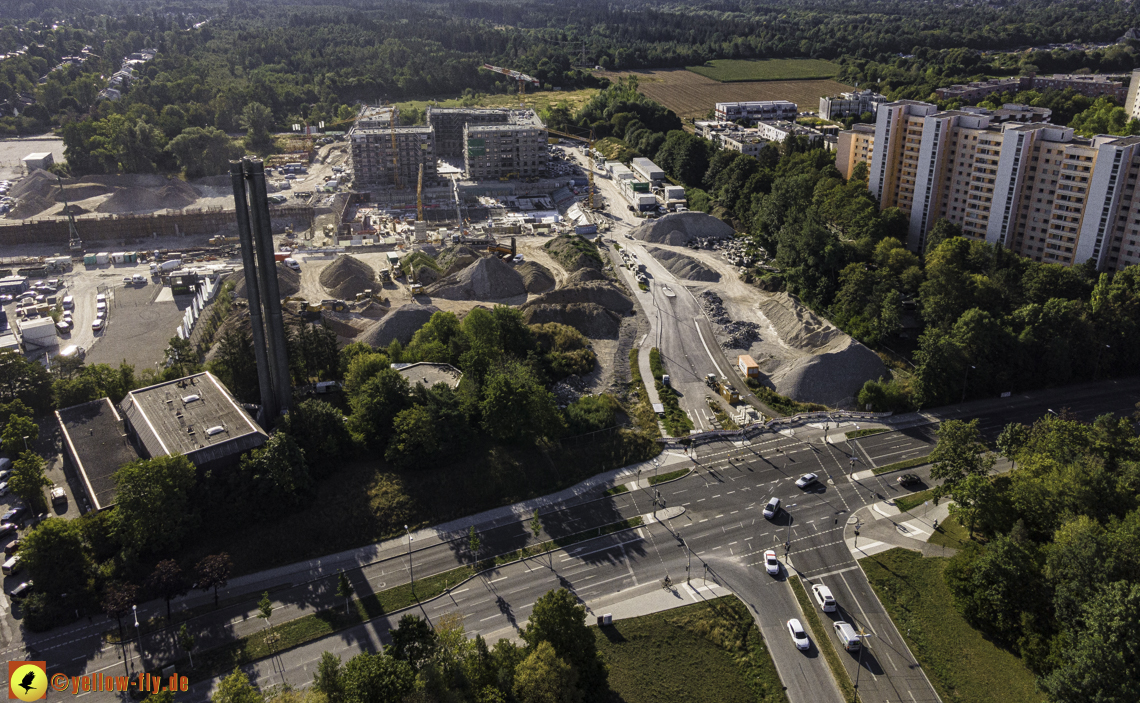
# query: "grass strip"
722,417
912,501
677,423
823,639
855,434
643,286
643,409
663,656
900,465
961,664
617,490
248,649
779,403
654,480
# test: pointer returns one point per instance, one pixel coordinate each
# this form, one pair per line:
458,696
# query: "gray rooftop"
195,416
429,374
98,445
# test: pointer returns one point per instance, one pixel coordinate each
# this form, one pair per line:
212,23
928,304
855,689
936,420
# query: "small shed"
748,366
39,159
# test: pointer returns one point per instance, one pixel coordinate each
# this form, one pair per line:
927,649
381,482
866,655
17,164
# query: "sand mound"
833,379
401,324
573,252
175,195
30,206
456,258
590,319
680,228
38,183
486,279
80,191
583,275
348,277
799,327
536,277
288,282
685,267
601,293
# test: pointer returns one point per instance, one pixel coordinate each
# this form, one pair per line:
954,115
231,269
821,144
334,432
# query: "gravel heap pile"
288,282
583,275
590,319
456,258
681,228
73,192
38,183
348,277
799,327
175,195
402,323
683,266
536,277
568,390
833,379
741,334
30,206
426,275
486,279
573,252
601,293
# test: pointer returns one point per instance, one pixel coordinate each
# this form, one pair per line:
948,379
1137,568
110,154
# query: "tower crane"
590,148
522,78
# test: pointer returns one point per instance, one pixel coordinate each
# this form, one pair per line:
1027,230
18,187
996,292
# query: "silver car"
796,630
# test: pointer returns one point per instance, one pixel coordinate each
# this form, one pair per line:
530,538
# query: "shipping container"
586,229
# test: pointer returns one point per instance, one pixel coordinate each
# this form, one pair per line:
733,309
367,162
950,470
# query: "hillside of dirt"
489,278
682,228
402,323
685,267
590,319
455,258
602,293
288,282
572,252
536,277
348,277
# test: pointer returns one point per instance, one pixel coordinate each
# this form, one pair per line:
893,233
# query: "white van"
292,263
824,598
11,566
848,636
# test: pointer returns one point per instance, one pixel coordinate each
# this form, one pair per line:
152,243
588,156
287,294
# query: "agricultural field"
737,70
692,96
538,101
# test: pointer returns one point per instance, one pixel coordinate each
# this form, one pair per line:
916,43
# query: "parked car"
21,592
771,563
796,630
772,508
908,479
68,302
12,547
7,528
3,488
97,325
14,513
64,325
806,480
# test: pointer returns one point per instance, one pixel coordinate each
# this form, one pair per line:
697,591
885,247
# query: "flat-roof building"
428,374
851,104
40,159
757,110
449,123
516,149
96,444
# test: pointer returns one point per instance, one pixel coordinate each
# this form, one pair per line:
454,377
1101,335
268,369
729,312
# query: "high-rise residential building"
1132,102
1091,85
1034,188
449,123
385,155
517,149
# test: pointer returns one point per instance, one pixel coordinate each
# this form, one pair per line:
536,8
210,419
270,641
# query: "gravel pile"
741,334
833,379
456,258
713,307
573,252
568,390
584,275
402,323
30,206
536,277
175,195
486,279
288,282
799,327
590,319
601,293
348,277
685,267
39,183
681,228
426,275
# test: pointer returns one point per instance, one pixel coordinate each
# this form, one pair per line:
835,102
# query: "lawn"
736,70
909,502
704,653
963,666
900,465
950,533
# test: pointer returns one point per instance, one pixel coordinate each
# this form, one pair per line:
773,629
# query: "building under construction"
516,149
449,123
387,155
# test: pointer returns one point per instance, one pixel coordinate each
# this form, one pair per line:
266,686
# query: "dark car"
21,592
12,547
908,479
7,528
14,514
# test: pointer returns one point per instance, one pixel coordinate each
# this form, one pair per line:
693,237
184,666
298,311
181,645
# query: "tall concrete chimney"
253,294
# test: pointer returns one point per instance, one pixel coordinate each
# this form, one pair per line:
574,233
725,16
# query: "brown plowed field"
692,96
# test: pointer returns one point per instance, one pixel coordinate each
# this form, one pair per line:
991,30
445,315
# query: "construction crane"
75,243
589,148
522,78
420,196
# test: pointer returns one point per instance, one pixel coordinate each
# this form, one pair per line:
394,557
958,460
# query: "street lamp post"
859,669
788,541
965,381
688,560
26,443
138,634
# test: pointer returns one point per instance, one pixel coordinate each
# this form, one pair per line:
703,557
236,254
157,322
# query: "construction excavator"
593,164
522,78
75,244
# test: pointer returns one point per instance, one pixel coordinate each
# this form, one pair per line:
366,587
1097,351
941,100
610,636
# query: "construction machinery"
589,141
420,196
75,244
522,78
222,240
723,388
497,248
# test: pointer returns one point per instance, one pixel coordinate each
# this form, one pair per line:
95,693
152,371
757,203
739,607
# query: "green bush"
591,413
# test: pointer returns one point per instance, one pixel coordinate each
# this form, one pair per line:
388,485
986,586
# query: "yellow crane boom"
522,78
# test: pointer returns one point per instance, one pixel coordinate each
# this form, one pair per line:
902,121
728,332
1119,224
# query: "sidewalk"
882,526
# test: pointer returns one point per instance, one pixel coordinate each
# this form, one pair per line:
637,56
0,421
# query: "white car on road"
772,508
796,630
806,480
771,563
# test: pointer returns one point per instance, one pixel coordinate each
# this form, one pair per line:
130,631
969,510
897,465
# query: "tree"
961,461
543,677
235,366
17,428
274,476
202,151
536,524
329,676
187,642
167,582
374,408
942,230
1012,438
257,120
473,544
56,558
181,358
236,688
154,504
413,641
559,619
264,610
28,480
374,677
118,598
24,380
516,407
214,572
344,589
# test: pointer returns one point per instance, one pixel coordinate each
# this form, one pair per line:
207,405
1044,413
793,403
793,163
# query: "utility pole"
688,560
862,644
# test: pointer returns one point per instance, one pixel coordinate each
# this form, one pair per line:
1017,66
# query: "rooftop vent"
190,398
217,429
